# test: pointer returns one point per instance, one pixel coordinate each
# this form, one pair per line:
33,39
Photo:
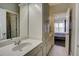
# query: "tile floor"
57,51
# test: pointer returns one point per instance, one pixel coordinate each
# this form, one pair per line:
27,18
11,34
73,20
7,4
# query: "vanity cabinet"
37,51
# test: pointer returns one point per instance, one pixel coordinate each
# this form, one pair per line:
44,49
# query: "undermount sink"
21,46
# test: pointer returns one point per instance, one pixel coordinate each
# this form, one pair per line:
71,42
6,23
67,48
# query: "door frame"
68,32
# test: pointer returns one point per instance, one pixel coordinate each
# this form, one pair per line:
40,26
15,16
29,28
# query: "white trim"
76,29
10,11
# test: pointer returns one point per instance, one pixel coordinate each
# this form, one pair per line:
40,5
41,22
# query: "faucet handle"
17,42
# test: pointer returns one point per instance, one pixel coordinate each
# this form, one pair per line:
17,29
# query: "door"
67,31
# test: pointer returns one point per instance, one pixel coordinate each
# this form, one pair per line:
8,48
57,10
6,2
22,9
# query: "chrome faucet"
17,42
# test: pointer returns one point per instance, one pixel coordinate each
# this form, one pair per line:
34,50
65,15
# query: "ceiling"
53,4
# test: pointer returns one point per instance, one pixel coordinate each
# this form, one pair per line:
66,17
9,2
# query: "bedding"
60,36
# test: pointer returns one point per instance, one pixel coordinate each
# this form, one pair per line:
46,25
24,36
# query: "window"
59,27
56,27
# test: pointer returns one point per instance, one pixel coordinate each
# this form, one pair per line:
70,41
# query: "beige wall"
51,24
60,7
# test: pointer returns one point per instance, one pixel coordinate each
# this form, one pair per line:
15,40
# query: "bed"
60,36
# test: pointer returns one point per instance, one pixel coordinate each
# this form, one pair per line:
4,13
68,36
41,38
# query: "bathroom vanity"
10,25
28,47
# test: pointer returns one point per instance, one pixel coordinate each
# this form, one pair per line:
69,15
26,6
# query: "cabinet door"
39,52
44,49
35,21
2,24
48,46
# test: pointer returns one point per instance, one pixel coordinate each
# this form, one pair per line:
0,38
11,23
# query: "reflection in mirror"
11,25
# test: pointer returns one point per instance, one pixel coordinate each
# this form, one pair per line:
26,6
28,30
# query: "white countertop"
9,49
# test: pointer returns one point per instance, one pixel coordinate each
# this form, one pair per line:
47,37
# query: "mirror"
12,25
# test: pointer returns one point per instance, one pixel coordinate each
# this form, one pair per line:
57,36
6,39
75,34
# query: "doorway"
59,29
62,34
62,31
